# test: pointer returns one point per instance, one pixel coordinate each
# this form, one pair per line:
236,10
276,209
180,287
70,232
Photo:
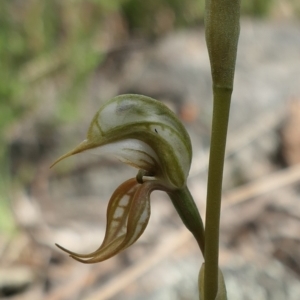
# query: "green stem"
186,207
222,97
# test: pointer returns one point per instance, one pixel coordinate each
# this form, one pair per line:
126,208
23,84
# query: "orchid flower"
145,134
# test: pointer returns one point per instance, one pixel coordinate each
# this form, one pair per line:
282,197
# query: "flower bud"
222,32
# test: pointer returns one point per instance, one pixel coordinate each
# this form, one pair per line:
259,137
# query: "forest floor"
260,224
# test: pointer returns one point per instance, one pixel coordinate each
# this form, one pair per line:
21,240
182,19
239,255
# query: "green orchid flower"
143,133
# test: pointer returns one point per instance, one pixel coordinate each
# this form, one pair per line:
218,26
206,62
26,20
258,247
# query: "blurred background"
59,61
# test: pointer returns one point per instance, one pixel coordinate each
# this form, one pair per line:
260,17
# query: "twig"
261,186
131,274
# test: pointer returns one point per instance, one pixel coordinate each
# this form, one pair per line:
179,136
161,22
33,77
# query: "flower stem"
186,207
222,33
222,97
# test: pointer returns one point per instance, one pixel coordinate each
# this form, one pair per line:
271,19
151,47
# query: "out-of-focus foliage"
159,16
41,38
257,7
44,46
